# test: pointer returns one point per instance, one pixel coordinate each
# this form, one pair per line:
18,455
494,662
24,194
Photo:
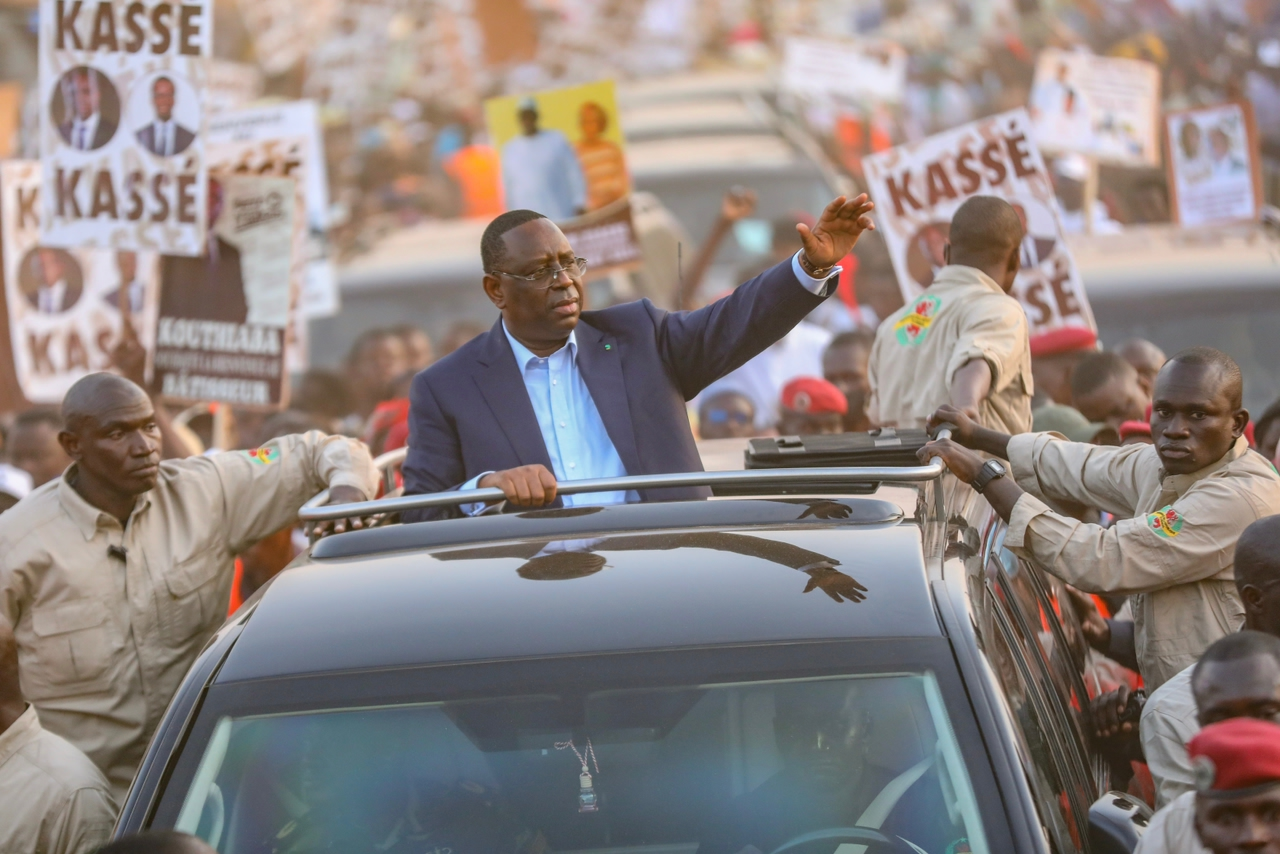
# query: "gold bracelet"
807,266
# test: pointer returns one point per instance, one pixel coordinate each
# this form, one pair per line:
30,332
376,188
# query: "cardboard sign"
122,123
917,189
66,307
862,71
1099,106
224,316
295,148
1215,173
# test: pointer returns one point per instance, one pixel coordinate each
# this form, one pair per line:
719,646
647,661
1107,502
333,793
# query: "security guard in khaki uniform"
52,798
116,574
1183,502
964,341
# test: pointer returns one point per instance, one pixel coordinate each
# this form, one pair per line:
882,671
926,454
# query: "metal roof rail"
316,510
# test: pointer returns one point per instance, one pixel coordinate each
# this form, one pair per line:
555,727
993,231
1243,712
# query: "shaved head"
984,231
1227,374
1258,553
96,395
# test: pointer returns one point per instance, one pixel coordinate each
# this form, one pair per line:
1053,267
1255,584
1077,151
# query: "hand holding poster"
562,156
122,123
917,188
67,308
221,334
1099,106
1215,173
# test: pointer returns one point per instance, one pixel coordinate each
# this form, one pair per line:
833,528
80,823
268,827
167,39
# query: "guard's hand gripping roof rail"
316,510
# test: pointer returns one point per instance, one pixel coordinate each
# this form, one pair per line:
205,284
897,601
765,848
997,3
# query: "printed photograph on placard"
122,112
68,308
918,187
1214,168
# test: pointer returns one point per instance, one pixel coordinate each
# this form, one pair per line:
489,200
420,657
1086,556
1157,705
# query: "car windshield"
854,764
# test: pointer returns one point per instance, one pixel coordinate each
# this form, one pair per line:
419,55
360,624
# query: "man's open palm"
837,230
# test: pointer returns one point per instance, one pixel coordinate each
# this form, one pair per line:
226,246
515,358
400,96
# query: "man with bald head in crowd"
52,798
964,342
1182,504
1146,358
1107,389
116,573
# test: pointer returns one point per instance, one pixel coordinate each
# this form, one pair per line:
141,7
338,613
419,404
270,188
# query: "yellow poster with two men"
562,156
562,149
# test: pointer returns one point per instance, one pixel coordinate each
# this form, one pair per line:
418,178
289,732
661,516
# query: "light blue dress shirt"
575,435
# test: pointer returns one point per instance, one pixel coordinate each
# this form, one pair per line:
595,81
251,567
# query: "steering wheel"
834,836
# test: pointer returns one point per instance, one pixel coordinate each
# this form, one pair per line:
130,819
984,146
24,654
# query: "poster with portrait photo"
67,307
1099,106
121,90
1215,173
224,315
918,187
563,155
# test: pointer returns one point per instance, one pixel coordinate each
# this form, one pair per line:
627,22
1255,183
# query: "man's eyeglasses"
545,278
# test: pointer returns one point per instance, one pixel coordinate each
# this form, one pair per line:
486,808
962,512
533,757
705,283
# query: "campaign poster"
862,71
283,158
918,187
66,306
285,139
1098,106
562,154
224,316
1215,174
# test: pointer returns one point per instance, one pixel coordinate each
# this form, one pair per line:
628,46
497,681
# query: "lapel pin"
608,346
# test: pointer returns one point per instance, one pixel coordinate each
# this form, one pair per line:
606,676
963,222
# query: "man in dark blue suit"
555,393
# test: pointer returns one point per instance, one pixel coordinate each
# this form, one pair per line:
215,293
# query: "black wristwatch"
990,470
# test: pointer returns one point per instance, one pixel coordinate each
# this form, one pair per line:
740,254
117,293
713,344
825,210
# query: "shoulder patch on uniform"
1166,522
263,456
913,328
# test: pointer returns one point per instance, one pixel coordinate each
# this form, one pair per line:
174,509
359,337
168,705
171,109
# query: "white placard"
122,123
1214,168
917,189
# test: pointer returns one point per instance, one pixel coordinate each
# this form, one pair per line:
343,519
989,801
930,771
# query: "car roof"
595,580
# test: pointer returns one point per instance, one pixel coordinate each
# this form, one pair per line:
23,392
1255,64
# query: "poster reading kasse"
122,123
917,189
67,307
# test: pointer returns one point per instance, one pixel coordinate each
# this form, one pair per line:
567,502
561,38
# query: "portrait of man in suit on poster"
163,136
89,106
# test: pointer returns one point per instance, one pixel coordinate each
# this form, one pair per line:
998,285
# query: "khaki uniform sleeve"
86,823
1192,540
1049,467
995,330
264,488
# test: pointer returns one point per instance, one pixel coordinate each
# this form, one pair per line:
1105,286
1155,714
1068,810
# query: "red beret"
1236,755
813,396
1063,340
1134,428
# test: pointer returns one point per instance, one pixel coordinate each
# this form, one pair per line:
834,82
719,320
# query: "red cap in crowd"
1134,428
1063,340
813,396
1235,756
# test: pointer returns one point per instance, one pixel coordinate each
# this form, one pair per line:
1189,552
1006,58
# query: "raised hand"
834,583
739,203
836,231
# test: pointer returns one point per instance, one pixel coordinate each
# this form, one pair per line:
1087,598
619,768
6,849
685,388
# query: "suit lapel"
600,361
502,384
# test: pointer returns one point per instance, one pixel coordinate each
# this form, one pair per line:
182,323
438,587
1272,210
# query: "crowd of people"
1133,477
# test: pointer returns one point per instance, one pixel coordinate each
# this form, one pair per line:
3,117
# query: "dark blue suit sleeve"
699,347
434,461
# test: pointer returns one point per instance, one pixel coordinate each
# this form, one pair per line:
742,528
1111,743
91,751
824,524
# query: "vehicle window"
1035,745
705,769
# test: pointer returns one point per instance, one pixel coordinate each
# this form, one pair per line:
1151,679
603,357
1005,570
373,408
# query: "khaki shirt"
963,316
1173,551
104,642
1173,829
1169,721
52,798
